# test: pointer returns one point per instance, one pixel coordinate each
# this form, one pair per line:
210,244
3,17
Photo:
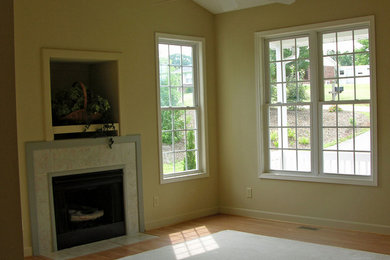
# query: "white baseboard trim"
28,251
334,223
181,218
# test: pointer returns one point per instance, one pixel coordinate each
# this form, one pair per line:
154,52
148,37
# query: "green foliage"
363,58
333,108
303,140
166,124
352,121
274,138
190,157
71,99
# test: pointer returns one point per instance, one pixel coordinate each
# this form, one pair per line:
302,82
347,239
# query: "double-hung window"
317,111
181,106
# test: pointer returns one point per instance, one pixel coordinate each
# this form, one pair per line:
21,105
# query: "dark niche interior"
88,207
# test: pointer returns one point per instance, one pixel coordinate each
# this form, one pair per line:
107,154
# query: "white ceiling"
222,6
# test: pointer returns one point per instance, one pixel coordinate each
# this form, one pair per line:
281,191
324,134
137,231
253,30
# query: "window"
317,102
181,107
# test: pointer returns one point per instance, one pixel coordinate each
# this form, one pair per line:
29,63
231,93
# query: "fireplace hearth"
82,191
88,207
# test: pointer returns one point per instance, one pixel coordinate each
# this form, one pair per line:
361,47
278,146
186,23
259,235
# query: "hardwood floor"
204,226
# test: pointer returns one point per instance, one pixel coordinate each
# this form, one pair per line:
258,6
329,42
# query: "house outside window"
316,102
181,107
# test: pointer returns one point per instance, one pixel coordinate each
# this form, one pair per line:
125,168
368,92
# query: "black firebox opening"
88,207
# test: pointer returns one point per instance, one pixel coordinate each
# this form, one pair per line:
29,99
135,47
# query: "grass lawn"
348,93
179,166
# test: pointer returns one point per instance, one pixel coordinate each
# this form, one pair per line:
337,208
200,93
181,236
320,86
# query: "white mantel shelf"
67,129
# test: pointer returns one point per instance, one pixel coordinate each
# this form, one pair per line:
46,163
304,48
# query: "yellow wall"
328,204
11,243
127,26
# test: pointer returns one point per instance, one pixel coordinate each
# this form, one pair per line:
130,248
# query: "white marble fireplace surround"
46,160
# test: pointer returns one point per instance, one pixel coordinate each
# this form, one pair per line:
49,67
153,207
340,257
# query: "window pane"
303,70
275,70
346,163
363,139
345,139
329,115
175,54
163,54
191,160
275,159
331,90
304,92
187,76
361,40
288,116
304,161
345,115
164,75
329,138
329,43
274,137
363,163
187,55
363,88
362,115
175,76
303,47
345,63
274,51
168,163
303,135
166,120
191,119
275,116
164,96
180,164
276,95
289,160
330,162
179,140
330,67
292,138
167,138
346,89
288,49
178,116
176,97
289,71
191,140
189,96
290,92
344,42
362,64
303,115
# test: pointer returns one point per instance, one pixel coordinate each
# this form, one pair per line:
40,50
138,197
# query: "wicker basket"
82,115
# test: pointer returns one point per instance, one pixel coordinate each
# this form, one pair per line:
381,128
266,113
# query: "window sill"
184,177
329,178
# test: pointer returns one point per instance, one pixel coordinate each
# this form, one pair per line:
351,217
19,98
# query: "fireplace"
88,207
83,190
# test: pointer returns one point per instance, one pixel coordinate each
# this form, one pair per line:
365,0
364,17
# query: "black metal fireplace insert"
88,207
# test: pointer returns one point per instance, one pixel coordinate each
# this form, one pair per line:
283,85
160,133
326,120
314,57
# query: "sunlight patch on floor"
192,242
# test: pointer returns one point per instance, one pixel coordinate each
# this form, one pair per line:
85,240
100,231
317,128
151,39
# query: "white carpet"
229,244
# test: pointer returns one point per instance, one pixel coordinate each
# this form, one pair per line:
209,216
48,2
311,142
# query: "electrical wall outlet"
156,201
249,192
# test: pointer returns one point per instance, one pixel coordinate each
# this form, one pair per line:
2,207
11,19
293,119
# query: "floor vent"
308,228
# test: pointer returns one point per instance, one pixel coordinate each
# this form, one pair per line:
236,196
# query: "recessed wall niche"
98,71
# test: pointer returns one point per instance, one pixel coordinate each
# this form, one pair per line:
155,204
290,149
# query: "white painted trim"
199,61
181,218
333,223
340,179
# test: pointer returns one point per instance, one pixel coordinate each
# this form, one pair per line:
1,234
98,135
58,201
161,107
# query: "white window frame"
199,77
314,31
